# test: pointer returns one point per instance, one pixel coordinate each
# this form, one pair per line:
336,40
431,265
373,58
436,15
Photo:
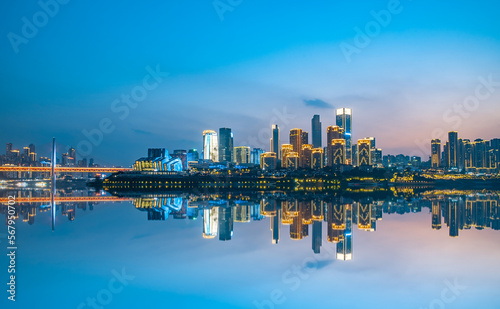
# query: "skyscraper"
317,158
8,149
72,154
210,145
296,140
344,120
479,153
338,152
436,153
306,154
275,141
242,154
332,132
305,137
292,160
468,153
285,150
495,147
226,145
316,131
453,149
364,152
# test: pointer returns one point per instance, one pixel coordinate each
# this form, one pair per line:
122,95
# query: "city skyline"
250,154
417,76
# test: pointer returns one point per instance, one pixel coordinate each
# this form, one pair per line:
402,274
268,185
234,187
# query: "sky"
115,78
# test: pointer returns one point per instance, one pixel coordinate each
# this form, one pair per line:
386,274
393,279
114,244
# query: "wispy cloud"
142,132
318,103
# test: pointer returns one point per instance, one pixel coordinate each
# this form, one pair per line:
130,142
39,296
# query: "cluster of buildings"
301,151
29,157
13,156
464,155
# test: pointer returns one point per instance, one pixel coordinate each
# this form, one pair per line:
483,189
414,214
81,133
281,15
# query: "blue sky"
261,61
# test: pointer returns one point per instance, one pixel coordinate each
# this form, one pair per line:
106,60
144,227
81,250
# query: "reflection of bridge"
47,169
66,199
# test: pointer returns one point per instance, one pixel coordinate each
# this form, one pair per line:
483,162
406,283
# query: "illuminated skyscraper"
26,152
332,132
226,145
285,150
275,141
210,146
436,153
317,158
292,160
72,154
453,149
364,152
296,140
305,157
338,152
242,154
495,147
316,131
468,153
377,157
344,120
305,138
480,152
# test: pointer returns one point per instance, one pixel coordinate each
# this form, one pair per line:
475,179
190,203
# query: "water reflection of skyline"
305,215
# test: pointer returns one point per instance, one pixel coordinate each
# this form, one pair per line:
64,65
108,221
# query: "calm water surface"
255,250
